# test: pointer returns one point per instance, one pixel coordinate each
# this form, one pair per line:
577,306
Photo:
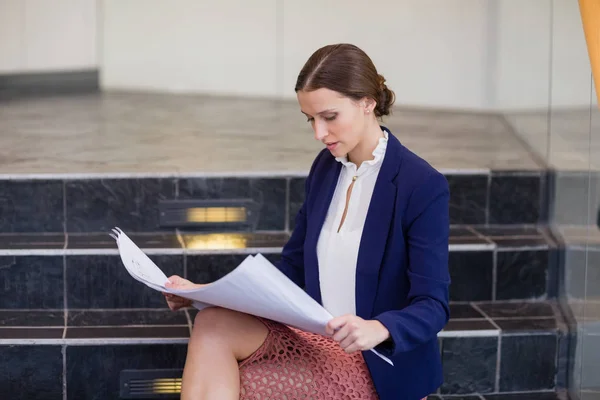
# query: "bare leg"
220,338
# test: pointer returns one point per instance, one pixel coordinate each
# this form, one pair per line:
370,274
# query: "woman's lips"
331,146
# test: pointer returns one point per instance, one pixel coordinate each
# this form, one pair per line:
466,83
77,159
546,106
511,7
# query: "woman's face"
338,121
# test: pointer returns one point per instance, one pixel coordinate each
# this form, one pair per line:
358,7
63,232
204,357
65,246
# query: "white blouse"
337,252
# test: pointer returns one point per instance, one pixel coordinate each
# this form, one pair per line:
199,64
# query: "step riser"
88,280
472,365
95,205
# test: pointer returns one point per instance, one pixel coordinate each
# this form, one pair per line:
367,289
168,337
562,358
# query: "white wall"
431,51
47,35
474,54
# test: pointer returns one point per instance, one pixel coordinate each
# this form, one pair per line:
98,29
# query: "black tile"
270,194
470,325
128,332
31,333
462,231
31,282
125,317
515,199
228,241
526,324
31,206
467,240
523,396
93,371
522,274
464,311
210,267
31,372
469,364
104,241
98,205
468,194
433,397
516,309
101,281
509,231
27,241
32,318
562,377
519,242
297,195
528,362
471,273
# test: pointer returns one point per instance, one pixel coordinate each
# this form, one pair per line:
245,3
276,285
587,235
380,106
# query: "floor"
568,139
172,134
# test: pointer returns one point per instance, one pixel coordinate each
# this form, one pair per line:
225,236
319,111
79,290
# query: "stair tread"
468,319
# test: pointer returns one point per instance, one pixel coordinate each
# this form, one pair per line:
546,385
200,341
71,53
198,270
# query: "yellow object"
590,16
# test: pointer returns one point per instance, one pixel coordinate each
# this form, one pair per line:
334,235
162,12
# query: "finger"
335,324
342,333
348,341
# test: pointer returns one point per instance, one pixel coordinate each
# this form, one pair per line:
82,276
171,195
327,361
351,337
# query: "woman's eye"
330,118
309,119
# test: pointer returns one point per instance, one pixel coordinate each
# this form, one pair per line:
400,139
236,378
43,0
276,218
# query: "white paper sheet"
254,287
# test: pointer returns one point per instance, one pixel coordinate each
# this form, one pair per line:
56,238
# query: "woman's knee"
241,332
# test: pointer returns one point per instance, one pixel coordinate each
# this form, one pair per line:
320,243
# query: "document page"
254,287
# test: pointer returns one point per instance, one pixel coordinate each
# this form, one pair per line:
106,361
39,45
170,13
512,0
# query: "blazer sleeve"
292,255
428,231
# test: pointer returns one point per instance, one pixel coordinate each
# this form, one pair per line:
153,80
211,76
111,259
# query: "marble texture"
515,199
468,198
31,372
31,282
97,281
131,204
468,267
166,133
30,206
522,274
561,138
469,365
528,362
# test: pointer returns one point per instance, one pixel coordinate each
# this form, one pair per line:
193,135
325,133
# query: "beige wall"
47,35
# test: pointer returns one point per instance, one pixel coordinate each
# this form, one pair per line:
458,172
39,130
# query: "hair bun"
385,98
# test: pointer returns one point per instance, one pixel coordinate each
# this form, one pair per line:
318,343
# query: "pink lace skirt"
292,364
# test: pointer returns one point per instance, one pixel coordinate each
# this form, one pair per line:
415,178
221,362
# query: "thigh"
242,333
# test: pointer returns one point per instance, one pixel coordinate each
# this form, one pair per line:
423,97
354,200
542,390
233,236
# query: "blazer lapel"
323,195
376,230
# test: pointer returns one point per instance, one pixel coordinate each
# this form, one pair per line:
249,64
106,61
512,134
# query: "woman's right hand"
176,302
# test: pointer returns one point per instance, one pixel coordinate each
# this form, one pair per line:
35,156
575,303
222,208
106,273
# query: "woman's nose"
320,131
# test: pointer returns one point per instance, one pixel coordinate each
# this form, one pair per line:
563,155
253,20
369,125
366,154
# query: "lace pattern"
292,364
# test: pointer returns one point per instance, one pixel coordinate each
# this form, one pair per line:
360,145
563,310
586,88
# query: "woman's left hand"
354,333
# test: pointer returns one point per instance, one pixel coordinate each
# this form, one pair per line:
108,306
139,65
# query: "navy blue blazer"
402,276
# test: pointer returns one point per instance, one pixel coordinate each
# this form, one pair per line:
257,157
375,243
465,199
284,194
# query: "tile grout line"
499,344
488,193
65,309
494,274
64,371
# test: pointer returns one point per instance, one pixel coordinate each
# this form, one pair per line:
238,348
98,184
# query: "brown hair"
348,70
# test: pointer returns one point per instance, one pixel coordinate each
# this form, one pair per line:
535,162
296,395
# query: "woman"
370,244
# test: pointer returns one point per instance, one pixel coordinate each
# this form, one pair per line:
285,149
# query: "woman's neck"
364,150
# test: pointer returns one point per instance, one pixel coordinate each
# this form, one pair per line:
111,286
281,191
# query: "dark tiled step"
84,268
91,205
477,356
